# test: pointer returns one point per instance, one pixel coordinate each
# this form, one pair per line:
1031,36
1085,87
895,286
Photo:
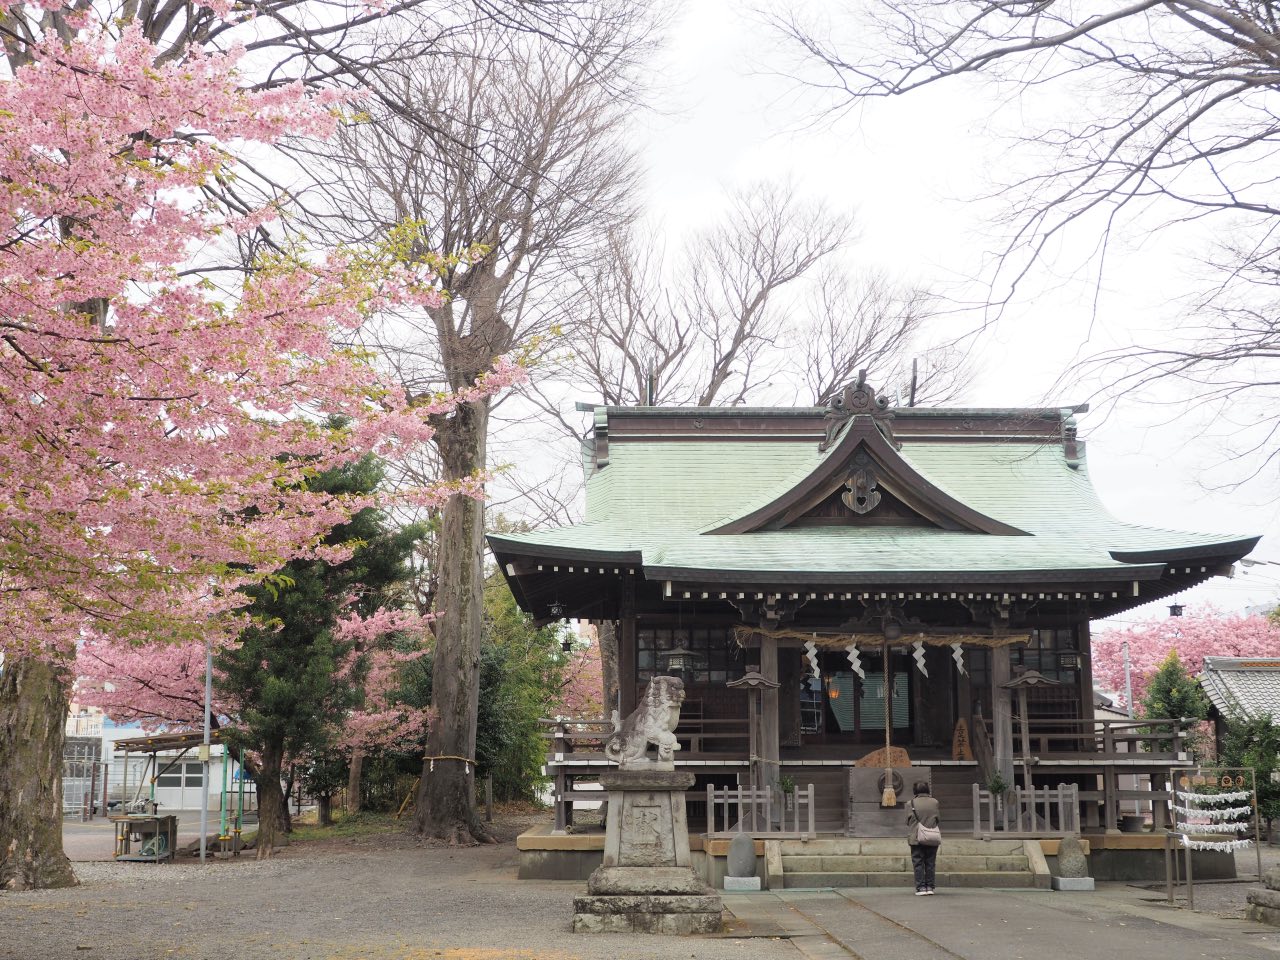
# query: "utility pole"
1128,705
204,750
1128,681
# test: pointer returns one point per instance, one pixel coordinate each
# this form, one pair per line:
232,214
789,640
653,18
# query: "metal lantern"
556,610
1175,609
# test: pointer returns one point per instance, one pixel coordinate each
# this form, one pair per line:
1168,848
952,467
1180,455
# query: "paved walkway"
1117,921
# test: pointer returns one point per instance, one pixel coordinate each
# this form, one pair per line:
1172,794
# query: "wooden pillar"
1160,782
770,747
1024,721
627,647
1110,802
1084,646
1002,712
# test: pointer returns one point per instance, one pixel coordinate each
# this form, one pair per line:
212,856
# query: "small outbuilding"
1240,688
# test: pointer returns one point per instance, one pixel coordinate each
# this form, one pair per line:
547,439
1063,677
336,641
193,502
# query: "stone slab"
1261,914
647,780
1265,898
647,904
742,883
645,881
676,924
1072,883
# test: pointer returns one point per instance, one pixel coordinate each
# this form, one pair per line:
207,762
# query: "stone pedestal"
1264,905
646,882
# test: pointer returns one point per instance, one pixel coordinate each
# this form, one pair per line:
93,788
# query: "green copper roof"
657,500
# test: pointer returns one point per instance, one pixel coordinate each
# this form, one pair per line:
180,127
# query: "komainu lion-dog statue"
653,721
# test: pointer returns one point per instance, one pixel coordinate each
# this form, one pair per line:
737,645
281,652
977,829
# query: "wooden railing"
1101,739
761,812
696,736
1041,812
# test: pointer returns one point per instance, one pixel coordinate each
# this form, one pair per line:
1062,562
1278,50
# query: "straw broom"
890,797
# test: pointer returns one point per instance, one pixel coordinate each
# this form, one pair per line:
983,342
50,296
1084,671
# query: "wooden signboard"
961,749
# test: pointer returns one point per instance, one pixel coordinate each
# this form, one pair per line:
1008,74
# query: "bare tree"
865,323
1162,113
532,166
762,296
706,335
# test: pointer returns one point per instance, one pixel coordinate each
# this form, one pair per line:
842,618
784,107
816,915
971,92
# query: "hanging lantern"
556,609
1175,609
681,661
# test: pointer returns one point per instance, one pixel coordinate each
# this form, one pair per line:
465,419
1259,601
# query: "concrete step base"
887,864
999,879
897,846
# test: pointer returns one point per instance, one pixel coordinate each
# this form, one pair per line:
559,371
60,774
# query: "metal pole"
1128,681
1128,706
204,784
239,800
222,803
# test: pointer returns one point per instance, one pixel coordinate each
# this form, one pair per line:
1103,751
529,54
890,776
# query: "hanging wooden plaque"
961,749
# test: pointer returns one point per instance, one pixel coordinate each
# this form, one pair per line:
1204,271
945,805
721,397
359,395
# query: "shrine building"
886,585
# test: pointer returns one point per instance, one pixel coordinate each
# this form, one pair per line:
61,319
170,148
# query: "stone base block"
742,883
679,924
1263,914
647,914
1072,883
1266,898
641,904
646,881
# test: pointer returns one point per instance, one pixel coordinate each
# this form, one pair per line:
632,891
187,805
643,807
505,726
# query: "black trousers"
923,861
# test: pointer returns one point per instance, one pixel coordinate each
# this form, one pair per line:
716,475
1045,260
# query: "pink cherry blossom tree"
157,426
581,691
1201,632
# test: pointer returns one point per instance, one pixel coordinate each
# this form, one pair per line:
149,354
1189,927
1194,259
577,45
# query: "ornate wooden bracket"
861,495
857,399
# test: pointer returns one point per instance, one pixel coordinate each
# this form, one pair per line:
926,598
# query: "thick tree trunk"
354,803
607,631
445,805
324,809
271,801
33,716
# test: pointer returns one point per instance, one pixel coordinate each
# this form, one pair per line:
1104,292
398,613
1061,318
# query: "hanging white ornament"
855,661
811,653
919,655
957,654
1228,846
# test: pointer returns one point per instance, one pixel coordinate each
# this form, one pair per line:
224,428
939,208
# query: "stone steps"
1002,879
882,864
886,862
891,846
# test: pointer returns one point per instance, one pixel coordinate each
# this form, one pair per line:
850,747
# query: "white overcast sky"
910,168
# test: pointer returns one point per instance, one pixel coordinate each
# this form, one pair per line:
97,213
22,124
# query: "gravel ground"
1226,898
376,897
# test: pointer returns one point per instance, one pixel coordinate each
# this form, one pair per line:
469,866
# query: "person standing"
923,811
